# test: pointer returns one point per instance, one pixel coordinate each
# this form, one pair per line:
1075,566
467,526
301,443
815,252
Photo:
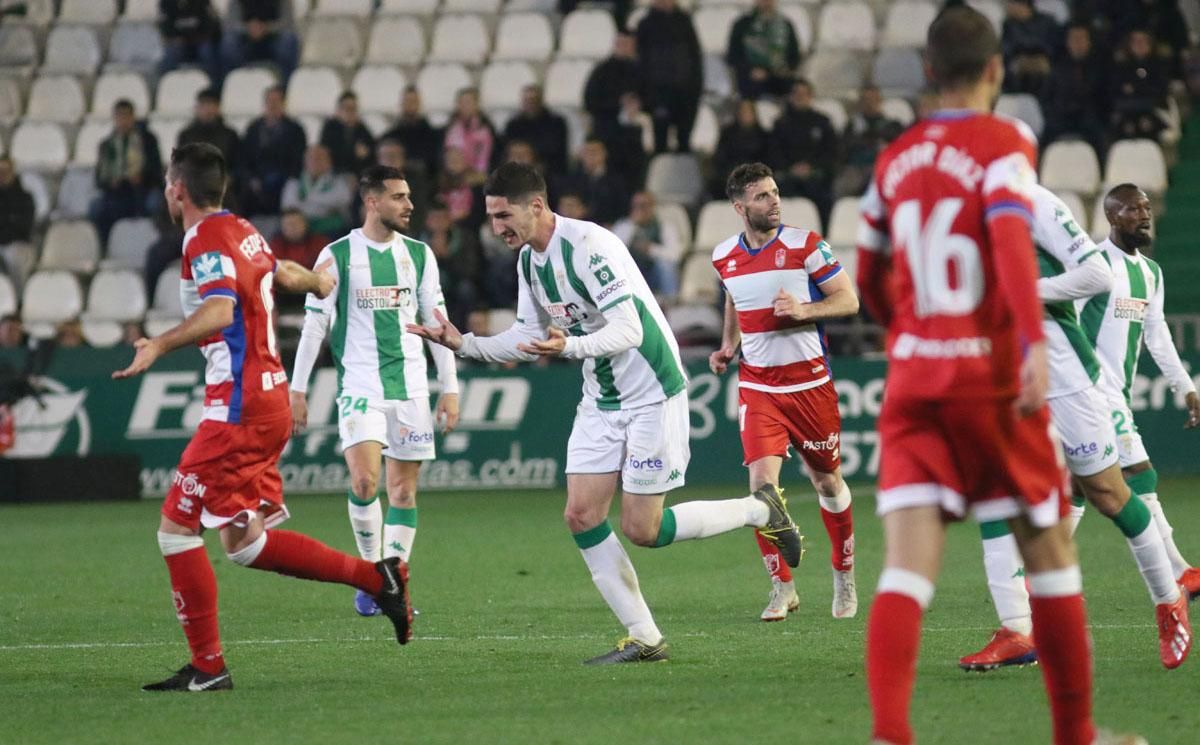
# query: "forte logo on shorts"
645,464
190,485
382,298
413,437
1083,449
829,443
1130,309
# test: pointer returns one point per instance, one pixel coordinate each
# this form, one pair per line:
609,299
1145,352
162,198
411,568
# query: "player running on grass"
1072,268
227,478
384,280
947,263
780,284
582,297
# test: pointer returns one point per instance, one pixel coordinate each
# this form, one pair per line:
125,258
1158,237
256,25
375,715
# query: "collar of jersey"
944,114
755,251
372,244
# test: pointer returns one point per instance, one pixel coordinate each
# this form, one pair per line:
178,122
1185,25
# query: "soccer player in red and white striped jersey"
781,283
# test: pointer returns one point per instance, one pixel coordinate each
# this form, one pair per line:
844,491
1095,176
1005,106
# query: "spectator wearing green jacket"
763,51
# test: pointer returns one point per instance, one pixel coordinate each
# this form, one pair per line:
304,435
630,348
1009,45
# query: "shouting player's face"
761,206
1132,217
394,205
513,222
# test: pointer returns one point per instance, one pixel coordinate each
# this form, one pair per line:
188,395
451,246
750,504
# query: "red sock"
1064,651
194,588
773,560
840,527
893,638
298,555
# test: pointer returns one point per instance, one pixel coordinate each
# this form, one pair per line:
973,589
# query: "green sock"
592,536
666,529
993,529
399,532
1133,517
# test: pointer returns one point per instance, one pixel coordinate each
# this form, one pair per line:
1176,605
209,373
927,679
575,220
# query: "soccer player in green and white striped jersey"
385,281
581,296
1119,323
1073,268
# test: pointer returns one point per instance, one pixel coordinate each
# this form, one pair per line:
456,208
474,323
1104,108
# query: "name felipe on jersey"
1130,309
382,298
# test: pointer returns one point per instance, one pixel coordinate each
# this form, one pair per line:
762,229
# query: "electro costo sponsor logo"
646,464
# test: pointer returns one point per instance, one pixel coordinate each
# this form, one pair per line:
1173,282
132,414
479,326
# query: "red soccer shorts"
229,469
808,420
976,454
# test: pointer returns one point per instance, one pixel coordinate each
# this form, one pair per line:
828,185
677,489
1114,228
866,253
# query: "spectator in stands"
570,204
471,132
128,171
1076,97
1029,40
458,257
460,188
294,241
392,153
804,150
672,72
69,334
609,82
628,142
12,332
1163,19
655,244
742,141
261,31
323,196
209,126
191,32
347,138
541,128
603,191
17,254
867,133
520,151
1139,87
272,153
422,141
763,52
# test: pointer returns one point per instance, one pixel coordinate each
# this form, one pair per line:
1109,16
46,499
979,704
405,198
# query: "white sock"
1006,581
1151,557
615,578
398,541
367,522
838,503
754,512
1074,516
705,518
1179,565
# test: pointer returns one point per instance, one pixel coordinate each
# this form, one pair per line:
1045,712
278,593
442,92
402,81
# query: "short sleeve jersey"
779,355
224,256
933,190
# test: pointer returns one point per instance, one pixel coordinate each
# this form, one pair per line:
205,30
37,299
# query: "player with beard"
781,284
384,280
1118,323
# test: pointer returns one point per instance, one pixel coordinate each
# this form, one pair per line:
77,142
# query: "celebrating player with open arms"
228,477
383,281
581,296
780,284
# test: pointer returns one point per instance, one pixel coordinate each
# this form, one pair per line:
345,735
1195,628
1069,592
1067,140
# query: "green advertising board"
512,434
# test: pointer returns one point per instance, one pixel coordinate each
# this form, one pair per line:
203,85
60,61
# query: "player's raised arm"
874,256
429,299
318,314
293,278
1162,348
1087,273
214,314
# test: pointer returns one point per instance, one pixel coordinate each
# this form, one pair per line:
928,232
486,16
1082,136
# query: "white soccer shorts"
405,428
649,445
1085,429
1130,447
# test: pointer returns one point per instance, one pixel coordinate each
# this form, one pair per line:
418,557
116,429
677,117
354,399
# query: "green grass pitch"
507,614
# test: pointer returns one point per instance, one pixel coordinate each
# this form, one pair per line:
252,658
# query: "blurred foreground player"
964,424
227,477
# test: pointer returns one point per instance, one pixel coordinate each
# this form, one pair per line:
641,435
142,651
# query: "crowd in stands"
1103,75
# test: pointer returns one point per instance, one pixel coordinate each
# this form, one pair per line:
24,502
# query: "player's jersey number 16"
931,249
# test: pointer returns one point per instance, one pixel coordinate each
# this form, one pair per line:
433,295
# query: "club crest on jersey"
207,268
780,257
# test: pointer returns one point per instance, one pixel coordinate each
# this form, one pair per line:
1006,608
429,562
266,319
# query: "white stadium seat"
835,110
459,38
96,12
843,223
243,91
767,111
18,46
87,142
1060,11
675,177
1100,226
501,84
38,13
565,81
409,7
177,92
100,334
55,98
1071,165
713,25
113,86
116,295
837,72
899,71
8,296
311,124
72,49
801,24
332,41
378,88
357,8
314,90
71,245
587,33
677,216
129,242
1022,106
801,212
35,183
40,145
12,104
1075,205
51,297
75,193
846,25
706,131
694,323
698,280
439,85
900,110
136,45
1137,161
907,23
396,41
487,7
166,294
992,9
717,221
524,36
167,129
140,10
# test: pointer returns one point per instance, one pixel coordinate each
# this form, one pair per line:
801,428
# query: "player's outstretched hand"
325,280
719,360
445,333
145,353
1035,380
447,412
1193,407
787,306
552,346
299,412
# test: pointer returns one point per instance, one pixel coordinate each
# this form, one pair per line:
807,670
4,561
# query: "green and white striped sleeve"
318,314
